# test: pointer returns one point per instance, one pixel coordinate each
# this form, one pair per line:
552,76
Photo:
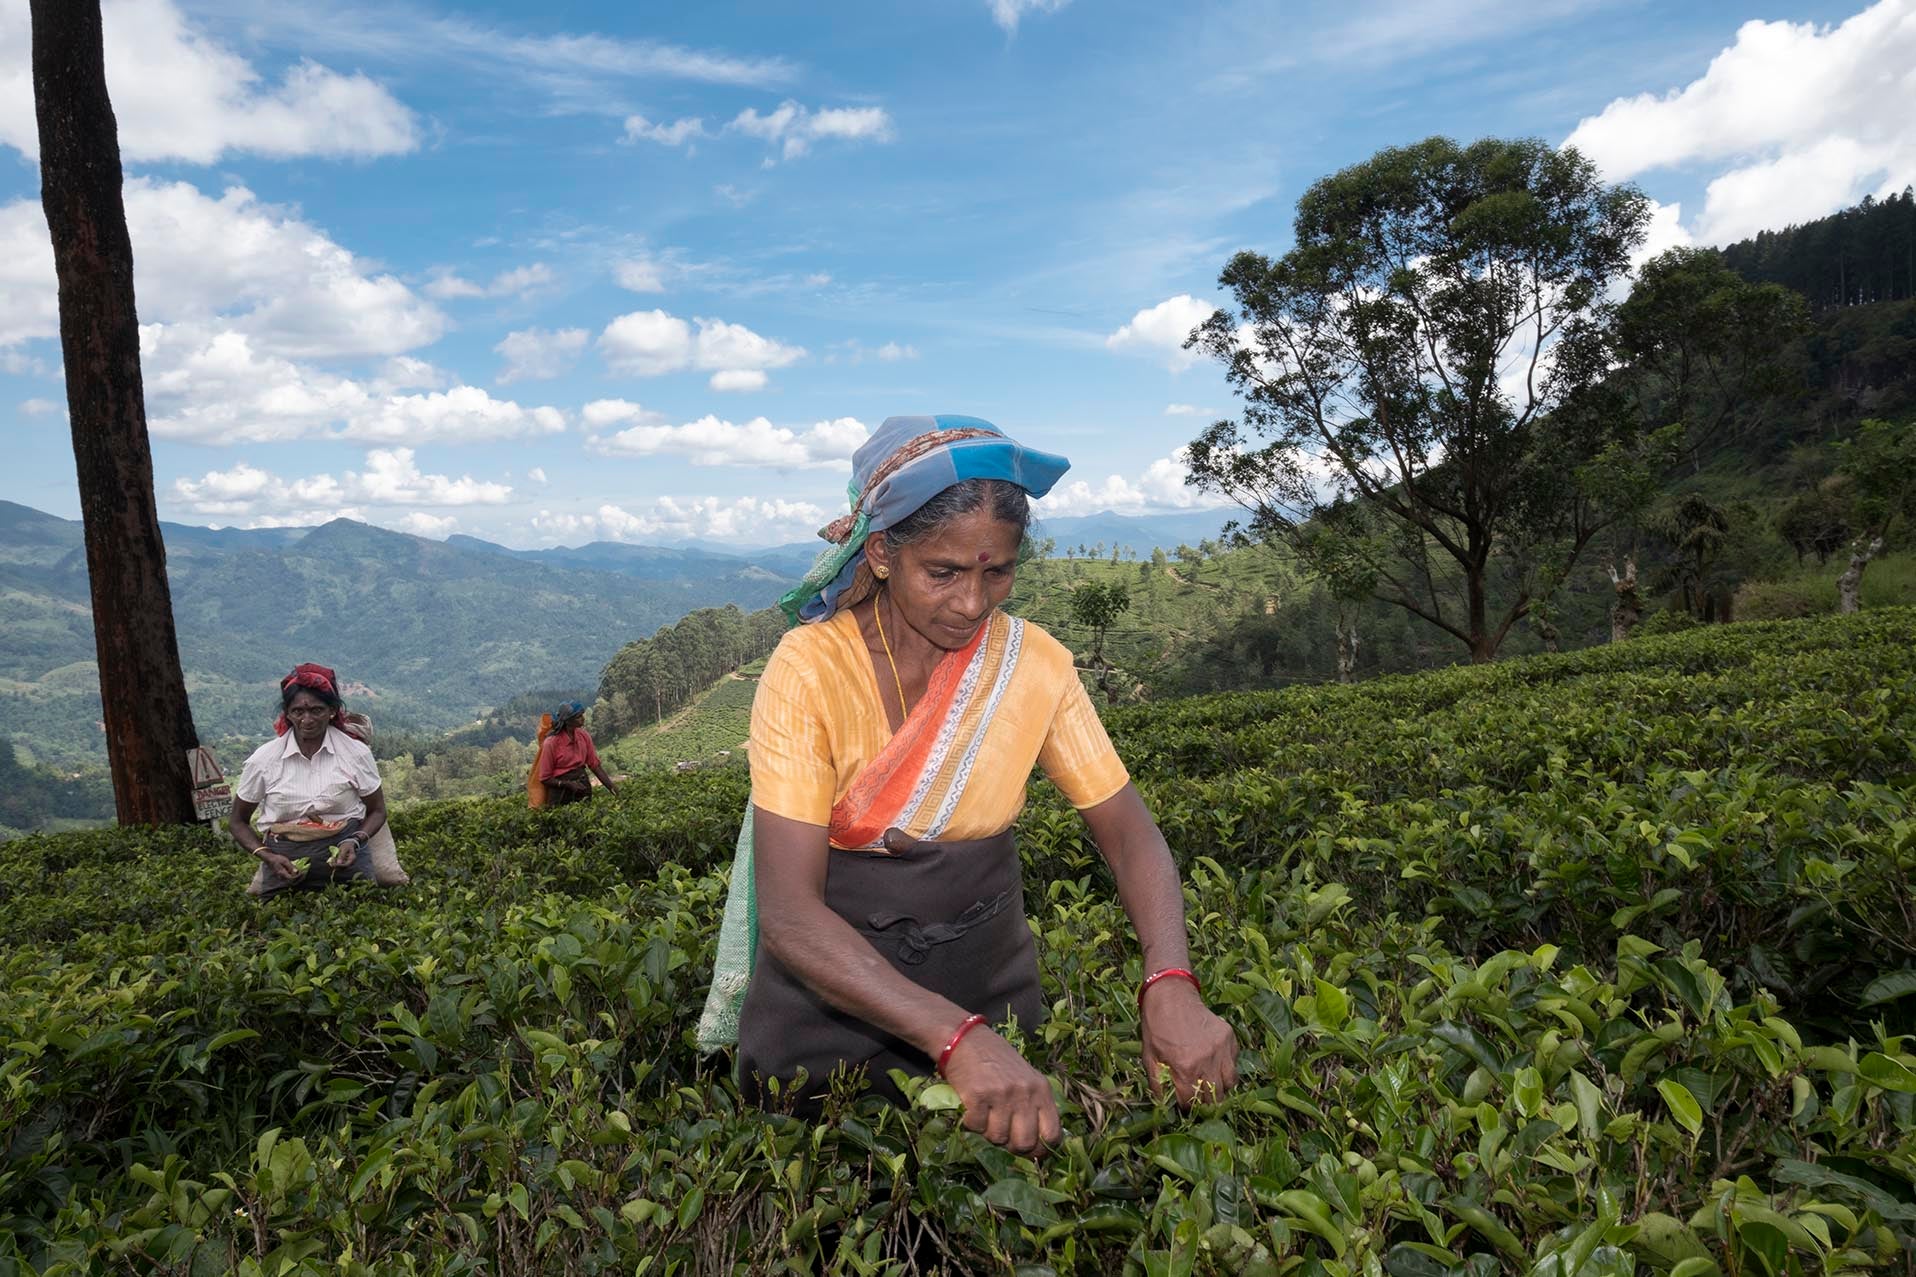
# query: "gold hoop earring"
881,572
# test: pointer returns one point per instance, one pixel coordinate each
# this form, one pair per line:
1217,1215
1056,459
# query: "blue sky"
572,271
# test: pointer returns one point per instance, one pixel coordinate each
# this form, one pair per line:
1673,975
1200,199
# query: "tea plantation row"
1580,965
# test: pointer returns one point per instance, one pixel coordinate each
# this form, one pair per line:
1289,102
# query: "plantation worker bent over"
876,918
316,790
565,758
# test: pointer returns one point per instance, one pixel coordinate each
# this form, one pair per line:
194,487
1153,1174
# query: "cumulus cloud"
180,95
539,353
601,413
1160,330
421,524
1008,13
37,407
650,343
213,385
537,474
710,441
1160,489
448,285
285,284
390,478
673,518
738,379
1810,117
793,128
1182,410
677,133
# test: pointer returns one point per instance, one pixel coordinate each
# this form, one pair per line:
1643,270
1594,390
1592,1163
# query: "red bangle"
971,1022
1169,973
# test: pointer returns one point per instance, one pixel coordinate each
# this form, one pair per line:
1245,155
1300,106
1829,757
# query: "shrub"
1582,964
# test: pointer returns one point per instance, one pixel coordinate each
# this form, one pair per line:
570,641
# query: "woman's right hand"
279,864
1006,1100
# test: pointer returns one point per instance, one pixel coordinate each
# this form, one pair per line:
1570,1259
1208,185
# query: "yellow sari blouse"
818,722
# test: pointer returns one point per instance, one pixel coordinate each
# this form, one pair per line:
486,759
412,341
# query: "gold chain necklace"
904,711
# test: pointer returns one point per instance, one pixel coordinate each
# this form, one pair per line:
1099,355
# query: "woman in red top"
567,755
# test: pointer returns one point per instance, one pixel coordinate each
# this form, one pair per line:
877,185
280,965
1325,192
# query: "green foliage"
650,677
1377,350
1587,964
717,721
1853,257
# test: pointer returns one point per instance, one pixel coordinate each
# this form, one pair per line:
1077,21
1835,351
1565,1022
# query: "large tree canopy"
1424,352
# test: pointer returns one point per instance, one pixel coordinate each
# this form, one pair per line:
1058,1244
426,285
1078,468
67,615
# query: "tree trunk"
1346,645
1483,646
1628,608
149,725
1849,586
1551,639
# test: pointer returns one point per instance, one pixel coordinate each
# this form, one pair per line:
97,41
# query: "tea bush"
1591,964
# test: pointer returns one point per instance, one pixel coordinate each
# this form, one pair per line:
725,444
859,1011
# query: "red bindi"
984,557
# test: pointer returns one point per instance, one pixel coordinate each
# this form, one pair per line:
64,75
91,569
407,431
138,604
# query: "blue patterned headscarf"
906,462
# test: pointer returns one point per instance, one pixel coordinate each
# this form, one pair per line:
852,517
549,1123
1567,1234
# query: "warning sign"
213,803
212,796
205,768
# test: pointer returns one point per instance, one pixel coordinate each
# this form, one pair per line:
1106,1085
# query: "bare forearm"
1147,877
1153,898
840,966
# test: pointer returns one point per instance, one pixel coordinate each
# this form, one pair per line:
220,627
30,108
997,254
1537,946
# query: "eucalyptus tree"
149,724
1428,353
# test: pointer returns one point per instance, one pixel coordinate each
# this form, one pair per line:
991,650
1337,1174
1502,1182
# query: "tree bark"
1346,646
1849,586
1628,608
1483,644
149,725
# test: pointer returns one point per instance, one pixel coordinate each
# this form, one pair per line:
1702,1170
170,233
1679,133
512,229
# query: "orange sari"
915,782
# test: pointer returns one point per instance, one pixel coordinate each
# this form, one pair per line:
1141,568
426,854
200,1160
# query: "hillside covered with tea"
1586,964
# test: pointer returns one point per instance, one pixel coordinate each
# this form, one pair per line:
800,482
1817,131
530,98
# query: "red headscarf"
320,679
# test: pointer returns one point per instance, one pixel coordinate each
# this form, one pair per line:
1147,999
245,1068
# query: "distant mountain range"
430,634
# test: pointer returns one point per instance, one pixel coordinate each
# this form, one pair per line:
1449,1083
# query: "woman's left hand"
344,854
1181,1032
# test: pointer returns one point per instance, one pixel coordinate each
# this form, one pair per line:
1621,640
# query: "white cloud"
738,379
1008,13
448,285
1811,118
1664,233
639,275
818,279
1160,489
436,526
892,352
286,285
605,412
1161,330
793,128
213,385
391,478
672,518
649,343
677,133
537,474
180,95
38,407
709,441
1182,410
539,353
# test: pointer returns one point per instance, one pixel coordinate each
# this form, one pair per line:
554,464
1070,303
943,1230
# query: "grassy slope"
717,720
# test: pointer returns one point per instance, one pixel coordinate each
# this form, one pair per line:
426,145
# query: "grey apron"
949,916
